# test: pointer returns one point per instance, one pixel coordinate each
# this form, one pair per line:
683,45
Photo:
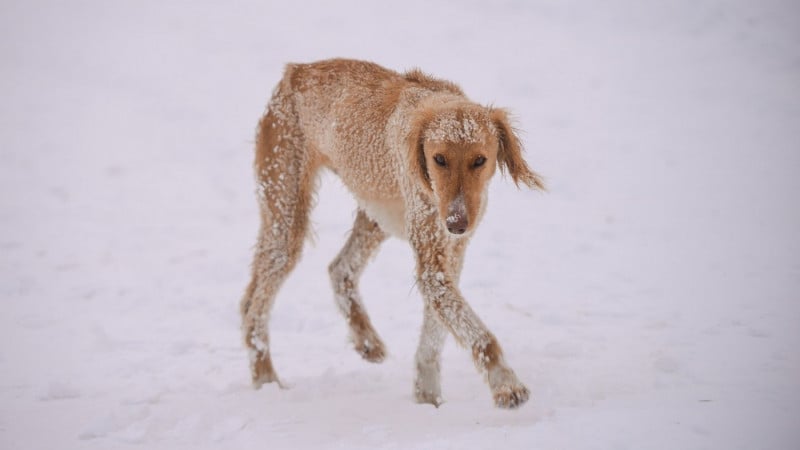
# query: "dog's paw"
261,370
268,378
427,387
507,391
433,397
511,396
371,349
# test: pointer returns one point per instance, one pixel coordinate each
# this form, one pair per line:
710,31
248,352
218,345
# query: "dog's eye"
479,161
440,160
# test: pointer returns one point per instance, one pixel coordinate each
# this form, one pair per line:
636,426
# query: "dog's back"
344,108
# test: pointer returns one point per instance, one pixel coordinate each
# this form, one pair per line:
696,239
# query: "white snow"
650,299
447,128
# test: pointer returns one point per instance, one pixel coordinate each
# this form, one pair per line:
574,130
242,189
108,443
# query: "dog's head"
455,149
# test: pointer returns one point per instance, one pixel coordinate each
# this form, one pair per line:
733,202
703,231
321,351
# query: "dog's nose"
457,224
456,220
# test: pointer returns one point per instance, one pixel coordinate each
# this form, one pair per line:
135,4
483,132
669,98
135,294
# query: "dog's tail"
281,103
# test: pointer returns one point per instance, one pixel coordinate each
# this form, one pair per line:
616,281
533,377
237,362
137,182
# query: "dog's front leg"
427,387
438,264
427,384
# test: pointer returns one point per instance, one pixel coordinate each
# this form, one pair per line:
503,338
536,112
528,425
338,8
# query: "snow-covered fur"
418,156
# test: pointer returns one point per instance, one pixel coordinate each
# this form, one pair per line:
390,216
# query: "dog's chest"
389,214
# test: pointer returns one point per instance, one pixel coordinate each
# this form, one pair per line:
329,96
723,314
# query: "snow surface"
650,300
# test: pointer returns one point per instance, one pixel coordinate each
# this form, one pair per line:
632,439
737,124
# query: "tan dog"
418,156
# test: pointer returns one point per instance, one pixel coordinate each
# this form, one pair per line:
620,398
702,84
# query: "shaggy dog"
418,156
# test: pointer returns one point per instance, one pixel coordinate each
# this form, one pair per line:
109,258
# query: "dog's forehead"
460,127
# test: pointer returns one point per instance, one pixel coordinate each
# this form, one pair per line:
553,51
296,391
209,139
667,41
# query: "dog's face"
456,154
459,176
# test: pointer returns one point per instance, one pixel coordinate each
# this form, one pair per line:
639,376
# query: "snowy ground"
650,300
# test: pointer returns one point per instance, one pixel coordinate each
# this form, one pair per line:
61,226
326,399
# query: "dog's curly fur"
418,156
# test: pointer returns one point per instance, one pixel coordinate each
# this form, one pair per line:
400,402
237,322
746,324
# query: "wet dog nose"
457,224
456,220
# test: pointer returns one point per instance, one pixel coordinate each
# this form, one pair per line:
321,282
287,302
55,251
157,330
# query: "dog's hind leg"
286,173
345,271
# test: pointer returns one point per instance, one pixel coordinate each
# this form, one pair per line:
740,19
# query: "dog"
418,156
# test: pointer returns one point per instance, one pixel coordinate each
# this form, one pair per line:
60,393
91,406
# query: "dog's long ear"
415,141
509,155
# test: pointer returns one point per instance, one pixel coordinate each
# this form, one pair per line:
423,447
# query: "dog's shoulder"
428,82
338,72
